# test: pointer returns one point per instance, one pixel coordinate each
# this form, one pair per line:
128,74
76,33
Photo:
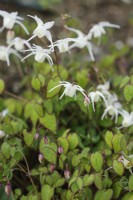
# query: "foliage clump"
66,133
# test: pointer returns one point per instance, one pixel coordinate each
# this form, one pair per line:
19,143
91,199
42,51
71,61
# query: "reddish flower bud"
67,172
45,140
60,150
8,189
36,136
40,157
52,168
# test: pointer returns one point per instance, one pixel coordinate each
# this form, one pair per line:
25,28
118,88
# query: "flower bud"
45,140
2,134
36,136
67,172
40,157
86,102
60,150
52,168
8,188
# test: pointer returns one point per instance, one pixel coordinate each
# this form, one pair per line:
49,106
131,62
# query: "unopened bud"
60,150
36,136
86,101
40,157
45,140
67,172
52,168
8,189
2,134
9,36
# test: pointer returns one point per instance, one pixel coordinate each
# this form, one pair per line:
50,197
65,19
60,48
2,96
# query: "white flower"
40,54
9,19
127,119
42,29
10,36
104,87
2,134
126,162
70,89
19,43
113,107
95,97
98,30
63,44
4,113
81,41
5,51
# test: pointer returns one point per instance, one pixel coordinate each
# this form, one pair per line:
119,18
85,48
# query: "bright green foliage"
60,149
2,86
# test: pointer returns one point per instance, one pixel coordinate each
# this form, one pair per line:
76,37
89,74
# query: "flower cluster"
42,30
113,107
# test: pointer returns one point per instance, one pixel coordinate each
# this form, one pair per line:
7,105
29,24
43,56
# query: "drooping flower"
81,41
19,43
99,29
4,113
40,54
10,19
127,119
70,89
95,97
2,134
63,44
113,107
126,162
42,29
104,88
5,52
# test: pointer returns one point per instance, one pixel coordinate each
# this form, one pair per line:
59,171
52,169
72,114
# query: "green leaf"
104,195
63,142
39,109
128,92
117,142
98,181
47,192
128,196
52,83
73,141
5,149
118,167
130,183
88,179
49,151
2,86
79,183
116,189
36,84
49,121
28,137
60,182
109,138
124,81
97,161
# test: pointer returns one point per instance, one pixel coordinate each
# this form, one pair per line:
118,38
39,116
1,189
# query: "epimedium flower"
95,97
3,113
42,29
70,89
40,54
99,29
63,44
5,52
127,119
113,107
126,162
81,41
19,43
2,134
10,19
